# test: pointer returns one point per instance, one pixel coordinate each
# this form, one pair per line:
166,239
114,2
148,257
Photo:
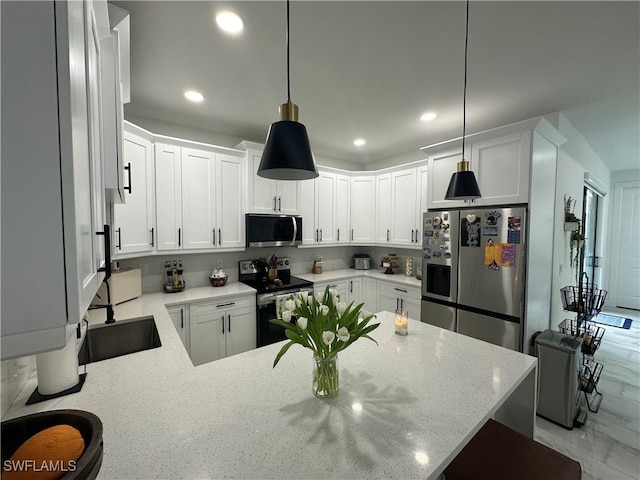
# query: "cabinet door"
288,196
441,166
354,291
411,306
343,210
370,294
168,197
383,208
363,212
261,194
501,166
340,286
229,205
310,234
198,209
326,207
180,318
405,204
207,335
133,220
240,334
387,302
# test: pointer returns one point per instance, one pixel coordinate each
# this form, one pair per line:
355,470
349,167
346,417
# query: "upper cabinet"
134,221
363,213
269,196
501,160
326,216
198,199
53,197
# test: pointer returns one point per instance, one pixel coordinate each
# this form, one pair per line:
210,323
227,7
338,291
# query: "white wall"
575,158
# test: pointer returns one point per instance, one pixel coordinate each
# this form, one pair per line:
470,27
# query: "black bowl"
18,430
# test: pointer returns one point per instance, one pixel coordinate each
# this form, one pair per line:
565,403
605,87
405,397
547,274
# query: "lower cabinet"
180,317
393,297
223,328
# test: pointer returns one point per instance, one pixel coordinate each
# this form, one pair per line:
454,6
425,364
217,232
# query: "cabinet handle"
412,235
214,236
128,169
279,204
320,234
333,285
317,237
401,303
350,286
399,290
397,303
229,317
153,238
119,245
387,234
179,237
338,235
219,236
181,318
274,205
225,304
223,324
106,232
352,234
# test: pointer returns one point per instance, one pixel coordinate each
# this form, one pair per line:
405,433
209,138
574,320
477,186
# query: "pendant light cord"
464,93
288,71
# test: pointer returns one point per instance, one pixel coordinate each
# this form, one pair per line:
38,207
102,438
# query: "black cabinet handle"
338,235
399,290
219,236
119,244
223,324
279,204
229,317
214,236
128,169
352,234
351,286
179,237
181,318
274,205
153,239
320,234
387,234
106,232
412,236
317,235
397,303
225,304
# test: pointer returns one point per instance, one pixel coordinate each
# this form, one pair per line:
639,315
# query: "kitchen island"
405,408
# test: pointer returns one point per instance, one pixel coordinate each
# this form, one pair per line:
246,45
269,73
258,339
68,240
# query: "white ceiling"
371,68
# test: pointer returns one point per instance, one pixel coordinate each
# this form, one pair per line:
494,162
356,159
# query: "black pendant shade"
287,153
462,186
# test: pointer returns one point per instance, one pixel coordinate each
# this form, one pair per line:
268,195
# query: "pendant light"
287,153
463,184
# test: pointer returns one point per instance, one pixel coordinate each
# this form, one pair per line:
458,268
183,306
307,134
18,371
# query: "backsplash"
197,267
15,373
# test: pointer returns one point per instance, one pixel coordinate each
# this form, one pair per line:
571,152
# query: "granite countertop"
406,406
346,273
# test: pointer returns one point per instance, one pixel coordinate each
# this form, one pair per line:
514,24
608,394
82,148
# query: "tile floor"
608,444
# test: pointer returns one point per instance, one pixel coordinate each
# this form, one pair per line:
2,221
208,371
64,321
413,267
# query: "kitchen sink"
116,339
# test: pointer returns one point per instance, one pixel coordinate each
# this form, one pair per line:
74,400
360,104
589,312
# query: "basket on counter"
172,288
218,281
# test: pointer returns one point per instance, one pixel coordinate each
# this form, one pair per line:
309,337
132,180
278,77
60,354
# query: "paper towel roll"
57,370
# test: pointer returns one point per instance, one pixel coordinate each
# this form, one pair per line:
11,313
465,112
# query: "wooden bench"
497,452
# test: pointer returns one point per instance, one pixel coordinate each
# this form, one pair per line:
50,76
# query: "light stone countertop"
346,273
405,408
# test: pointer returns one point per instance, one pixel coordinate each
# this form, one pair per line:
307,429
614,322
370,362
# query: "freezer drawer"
440,315
490,329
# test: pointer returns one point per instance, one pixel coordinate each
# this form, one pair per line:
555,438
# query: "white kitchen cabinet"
134,221
343,208
383,208
220,329
501,165
325,205
370,294
269,196
354,291
53,195
392,297
180,318
340,286
363,212
330,220
198,199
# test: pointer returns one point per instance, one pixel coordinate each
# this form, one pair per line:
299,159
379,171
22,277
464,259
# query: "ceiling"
370,68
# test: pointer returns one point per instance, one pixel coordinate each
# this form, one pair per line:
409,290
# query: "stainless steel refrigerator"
473,277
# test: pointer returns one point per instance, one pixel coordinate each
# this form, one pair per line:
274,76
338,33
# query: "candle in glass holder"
402,322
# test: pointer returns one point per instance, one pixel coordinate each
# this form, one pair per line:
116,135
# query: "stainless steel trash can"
559,359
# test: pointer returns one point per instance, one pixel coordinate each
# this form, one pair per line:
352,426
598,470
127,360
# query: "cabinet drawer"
399,290
211,309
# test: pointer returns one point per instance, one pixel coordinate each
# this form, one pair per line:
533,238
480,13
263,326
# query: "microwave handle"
295,229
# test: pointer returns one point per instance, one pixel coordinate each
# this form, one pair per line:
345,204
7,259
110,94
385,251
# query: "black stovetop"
292,283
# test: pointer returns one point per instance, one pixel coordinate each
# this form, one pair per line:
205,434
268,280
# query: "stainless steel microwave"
267,230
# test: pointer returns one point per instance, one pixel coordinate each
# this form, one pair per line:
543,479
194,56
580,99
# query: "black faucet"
107,272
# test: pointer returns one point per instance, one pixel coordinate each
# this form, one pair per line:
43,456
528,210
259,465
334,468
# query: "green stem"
325,377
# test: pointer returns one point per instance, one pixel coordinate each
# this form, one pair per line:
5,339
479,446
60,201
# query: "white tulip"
334,293
286,315
302,323
341,307
343,334
303,296
319,298
290,305
324,310
328,337
298,303
365,313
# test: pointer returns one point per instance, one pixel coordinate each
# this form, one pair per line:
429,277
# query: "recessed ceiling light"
427,117
358,142
194,96
229,21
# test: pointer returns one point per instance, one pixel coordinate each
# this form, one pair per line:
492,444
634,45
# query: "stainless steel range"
255,273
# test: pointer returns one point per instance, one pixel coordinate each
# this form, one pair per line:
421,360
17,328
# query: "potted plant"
576,246
571,222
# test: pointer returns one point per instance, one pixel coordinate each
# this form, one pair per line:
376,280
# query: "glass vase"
325,376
